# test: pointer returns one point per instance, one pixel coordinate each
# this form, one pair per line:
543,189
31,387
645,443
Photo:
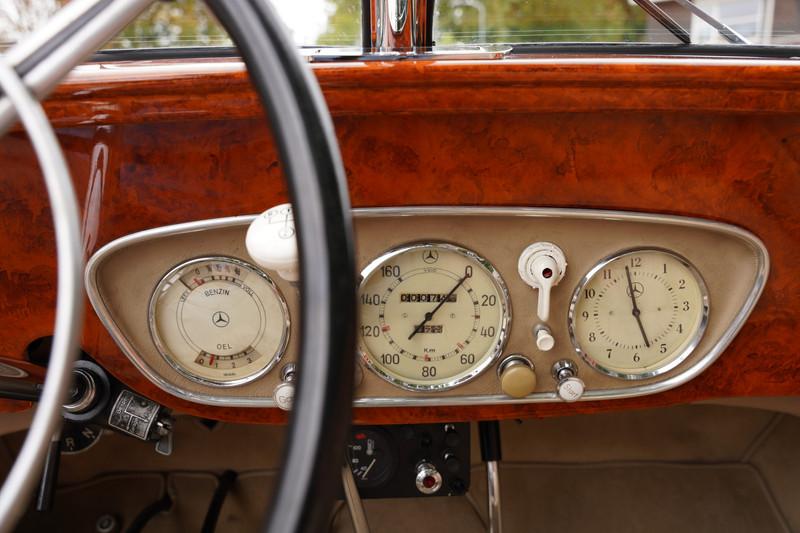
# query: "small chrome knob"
284,391
429,480
517,376
570,387
544,338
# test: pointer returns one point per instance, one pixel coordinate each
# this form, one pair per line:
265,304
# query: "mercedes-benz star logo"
430,256
638,289
220,319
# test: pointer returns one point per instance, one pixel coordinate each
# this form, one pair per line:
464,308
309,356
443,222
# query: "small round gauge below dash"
371,457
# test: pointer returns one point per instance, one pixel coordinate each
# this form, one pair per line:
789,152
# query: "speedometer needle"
636,312
429,316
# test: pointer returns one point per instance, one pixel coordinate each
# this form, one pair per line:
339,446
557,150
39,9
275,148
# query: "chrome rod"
354,503
730,35
72,35
493,497
22,479
663,18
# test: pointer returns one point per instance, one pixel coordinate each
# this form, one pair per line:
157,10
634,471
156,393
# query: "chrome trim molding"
485,362
687,351
689,373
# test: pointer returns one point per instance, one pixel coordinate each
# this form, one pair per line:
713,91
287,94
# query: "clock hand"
429,316
636,312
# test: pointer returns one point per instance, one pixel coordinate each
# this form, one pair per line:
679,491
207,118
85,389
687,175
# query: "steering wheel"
304,134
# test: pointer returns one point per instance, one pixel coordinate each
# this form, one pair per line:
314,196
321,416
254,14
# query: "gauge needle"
429,316
636,312
364,475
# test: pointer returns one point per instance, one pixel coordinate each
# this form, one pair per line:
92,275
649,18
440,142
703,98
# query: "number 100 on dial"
433,316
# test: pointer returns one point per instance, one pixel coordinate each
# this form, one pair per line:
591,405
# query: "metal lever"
489,434
47,487
354,503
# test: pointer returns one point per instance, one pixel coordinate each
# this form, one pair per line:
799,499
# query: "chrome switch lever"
542,265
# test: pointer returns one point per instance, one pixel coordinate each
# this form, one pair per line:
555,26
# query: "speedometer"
433,316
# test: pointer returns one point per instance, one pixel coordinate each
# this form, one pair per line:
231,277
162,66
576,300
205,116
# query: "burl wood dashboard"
162,143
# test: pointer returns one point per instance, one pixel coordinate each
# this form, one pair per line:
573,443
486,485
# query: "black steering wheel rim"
307,147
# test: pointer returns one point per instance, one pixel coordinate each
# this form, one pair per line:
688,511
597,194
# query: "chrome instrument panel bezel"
687,351
698,366
164,351
502,334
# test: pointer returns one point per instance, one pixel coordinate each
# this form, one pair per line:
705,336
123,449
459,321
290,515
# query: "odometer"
433,316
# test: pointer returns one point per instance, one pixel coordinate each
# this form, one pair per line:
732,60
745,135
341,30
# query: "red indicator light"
428,482
361,436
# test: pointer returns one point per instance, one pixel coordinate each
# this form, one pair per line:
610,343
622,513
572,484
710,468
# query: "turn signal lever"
90,405
97,399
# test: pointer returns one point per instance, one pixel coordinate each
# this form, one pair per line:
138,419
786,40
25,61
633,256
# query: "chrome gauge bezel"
503,330
164,351
687,351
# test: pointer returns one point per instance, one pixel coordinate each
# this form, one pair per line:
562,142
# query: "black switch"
451,436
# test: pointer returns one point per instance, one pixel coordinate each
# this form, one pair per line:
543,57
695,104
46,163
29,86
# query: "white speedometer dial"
433,316
638,313
219,321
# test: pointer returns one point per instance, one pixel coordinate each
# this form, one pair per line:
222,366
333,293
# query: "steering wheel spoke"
73,34
303,130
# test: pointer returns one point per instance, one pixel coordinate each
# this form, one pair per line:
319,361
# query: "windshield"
337,23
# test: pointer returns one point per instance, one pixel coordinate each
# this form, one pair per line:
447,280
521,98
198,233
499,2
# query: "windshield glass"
536,21
182,23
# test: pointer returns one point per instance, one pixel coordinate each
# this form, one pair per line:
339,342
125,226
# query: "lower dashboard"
459,306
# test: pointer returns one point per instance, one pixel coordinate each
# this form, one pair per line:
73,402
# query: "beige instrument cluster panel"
457,305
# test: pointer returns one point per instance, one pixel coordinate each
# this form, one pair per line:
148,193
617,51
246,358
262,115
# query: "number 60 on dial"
433,316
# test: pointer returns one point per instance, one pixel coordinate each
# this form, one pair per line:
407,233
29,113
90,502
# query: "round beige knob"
517,377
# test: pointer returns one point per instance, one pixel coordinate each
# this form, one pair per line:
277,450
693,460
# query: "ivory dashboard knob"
544,338
272,243
517,376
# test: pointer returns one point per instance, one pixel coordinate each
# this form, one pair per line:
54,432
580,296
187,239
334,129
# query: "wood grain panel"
163,143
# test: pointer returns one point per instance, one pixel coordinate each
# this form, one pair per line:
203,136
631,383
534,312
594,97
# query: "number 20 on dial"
639,313
433,316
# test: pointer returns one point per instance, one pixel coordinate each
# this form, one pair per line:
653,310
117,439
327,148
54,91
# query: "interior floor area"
691,468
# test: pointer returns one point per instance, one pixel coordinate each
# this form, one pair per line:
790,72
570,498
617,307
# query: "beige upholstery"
692,468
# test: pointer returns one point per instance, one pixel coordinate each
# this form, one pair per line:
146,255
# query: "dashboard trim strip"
686,375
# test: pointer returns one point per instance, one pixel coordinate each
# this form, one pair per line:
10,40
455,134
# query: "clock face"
639,313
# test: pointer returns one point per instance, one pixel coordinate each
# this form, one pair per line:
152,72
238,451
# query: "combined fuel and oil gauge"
219,321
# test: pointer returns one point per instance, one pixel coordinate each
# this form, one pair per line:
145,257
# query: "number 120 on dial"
433,316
